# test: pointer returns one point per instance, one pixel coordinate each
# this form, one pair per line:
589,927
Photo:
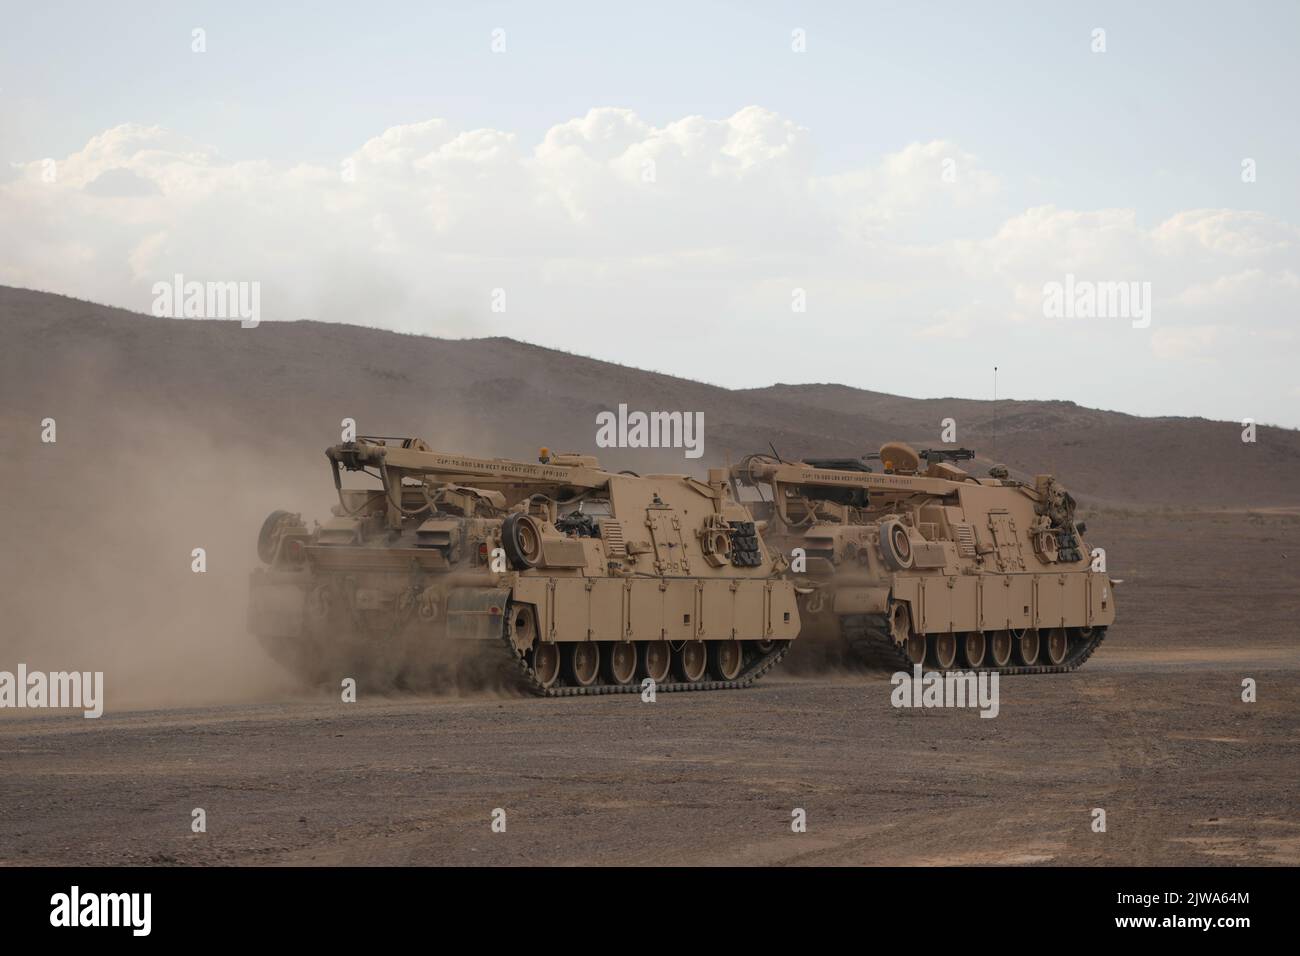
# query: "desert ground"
1153,730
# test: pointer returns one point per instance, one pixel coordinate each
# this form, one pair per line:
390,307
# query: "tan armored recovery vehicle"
923,563
589,581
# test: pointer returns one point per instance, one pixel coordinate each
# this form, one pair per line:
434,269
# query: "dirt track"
1152,730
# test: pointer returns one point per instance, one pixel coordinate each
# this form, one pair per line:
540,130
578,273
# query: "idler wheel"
943,650
582,662
725,659
1000,648
974,648
620,662
691,661
1057,645
546,663
1027,646
915,648
655,658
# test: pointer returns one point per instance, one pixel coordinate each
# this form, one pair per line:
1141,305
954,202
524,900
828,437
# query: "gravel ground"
1152,730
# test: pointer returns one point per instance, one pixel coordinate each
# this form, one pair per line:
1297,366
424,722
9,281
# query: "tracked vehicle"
577,579
920,562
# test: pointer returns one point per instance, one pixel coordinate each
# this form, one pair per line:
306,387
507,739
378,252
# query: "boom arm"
779,474
415,458
412,458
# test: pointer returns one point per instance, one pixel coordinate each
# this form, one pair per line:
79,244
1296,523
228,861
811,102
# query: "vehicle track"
876,649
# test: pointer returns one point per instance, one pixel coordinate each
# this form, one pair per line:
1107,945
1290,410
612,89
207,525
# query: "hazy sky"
665,184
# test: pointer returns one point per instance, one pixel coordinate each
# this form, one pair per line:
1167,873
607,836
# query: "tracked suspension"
874,646
755,668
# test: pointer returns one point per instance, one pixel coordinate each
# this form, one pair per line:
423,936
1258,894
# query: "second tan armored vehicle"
586,580
923,563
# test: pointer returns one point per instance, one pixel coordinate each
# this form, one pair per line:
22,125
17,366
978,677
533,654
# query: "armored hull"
921,563
573,579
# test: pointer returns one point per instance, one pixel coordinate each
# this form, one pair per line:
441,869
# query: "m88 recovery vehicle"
588,581
923,564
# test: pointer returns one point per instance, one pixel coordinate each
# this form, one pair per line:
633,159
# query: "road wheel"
725,659
1056,646
974,648
691,661
582,662
655,659
943,650
546,663
1027,647
1000,648
620,662
915,648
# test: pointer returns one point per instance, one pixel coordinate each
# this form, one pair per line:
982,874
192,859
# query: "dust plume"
98,562
98,555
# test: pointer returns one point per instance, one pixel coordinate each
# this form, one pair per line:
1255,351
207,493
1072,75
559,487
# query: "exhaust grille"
612,534
965,540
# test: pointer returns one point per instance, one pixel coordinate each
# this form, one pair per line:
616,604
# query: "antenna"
775,452
995,408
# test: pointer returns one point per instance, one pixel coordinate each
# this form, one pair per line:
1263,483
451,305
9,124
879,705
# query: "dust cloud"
97,561
98,550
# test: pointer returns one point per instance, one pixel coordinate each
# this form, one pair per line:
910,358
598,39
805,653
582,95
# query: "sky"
881,195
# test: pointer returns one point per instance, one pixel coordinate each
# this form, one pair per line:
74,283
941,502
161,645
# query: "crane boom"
413,457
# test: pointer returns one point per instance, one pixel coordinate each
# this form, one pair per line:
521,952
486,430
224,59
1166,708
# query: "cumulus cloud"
120,181
661,246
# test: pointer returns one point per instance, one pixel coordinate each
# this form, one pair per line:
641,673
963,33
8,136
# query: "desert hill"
110,376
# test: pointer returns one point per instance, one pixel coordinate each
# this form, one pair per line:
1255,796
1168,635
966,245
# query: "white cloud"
612,236
1189,342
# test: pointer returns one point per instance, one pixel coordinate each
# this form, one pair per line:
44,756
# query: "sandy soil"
1152,730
